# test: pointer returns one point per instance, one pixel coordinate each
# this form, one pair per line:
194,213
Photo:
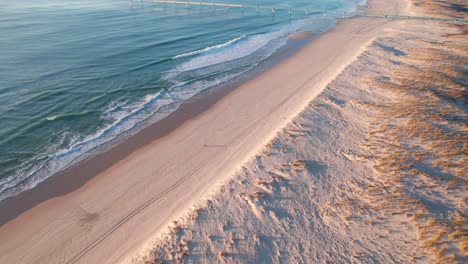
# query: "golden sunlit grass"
439,8
418,142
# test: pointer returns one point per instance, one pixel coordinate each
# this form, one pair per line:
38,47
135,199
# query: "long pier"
306,11
242,7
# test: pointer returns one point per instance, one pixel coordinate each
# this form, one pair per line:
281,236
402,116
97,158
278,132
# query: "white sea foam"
238,49
51,118
124,120
211,48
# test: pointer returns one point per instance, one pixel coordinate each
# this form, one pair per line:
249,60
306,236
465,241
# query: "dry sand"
114,215
372,171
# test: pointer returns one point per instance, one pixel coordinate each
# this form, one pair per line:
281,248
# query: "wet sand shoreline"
75,176
144,183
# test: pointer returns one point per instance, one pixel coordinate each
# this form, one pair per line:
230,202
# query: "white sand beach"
271,173
362,175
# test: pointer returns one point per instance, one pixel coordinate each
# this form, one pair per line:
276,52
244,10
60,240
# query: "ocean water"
77,75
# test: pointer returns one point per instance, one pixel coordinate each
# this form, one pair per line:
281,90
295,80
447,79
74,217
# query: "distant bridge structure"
306,11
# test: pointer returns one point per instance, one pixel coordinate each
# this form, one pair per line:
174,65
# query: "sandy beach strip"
106,209
371,171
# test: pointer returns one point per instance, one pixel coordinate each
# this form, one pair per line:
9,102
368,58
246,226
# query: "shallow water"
75,75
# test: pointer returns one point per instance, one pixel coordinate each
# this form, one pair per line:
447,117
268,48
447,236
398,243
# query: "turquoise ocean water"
76,75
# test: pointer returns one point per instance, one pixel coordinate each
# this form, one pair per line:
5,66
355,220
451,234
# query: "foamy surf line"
155,107
219,46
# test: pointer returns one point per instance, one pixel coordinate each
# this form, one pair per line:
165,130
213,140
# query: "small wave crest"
235,49
51,118
121,118
207,49
55,117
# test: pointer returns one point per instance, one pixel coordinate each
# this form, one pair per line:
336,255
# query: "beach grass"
419,136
